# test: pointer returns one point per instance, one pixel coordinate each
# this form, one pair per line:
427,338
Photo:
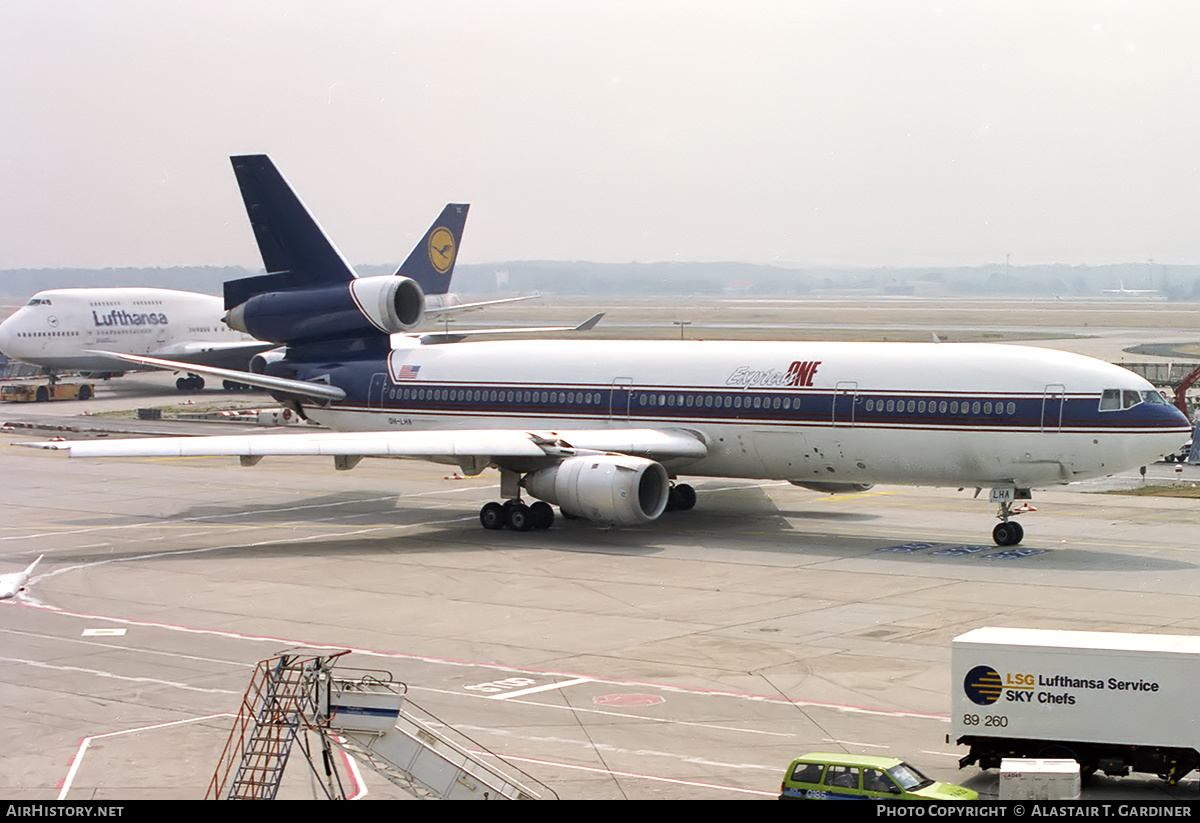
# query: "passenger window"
807,773
875,780
842,777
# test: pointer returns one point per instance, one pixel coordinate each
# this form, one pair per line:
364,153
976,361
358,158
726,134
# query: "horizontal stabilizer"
461,334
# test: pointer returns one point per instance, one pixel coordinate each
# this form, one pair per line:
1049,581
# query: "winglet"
590,323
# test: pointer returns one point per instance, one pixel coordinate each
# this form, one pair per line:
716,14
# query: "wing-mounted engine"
260,362
608,488
362,308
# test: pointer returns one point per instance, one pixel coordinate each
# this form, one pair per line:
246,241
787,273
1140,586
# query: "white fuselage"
57,329
936,414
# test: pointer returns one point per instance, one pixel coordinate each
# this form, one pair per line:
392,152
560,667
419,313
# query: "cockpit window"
1117,399
39,301
1155,396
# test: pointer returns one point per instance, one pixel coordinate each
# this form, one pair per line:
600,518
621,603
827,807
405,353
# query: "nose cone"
6,337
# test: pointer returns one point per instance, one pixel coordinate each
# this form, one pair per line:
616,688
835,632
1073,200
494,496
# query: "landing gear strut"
1008,532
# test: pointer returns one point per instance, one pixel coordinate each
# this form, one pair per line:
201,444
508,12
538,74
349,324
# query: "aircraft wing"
232,355
320,391
478,446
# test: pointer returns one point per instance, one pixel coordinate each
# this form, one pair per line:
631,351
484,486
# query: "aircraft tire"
491,516
541,514
685,497
1008,534
519,518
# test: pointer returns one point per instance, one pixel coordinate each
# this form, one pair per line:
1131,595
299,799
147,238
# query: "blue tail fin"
431,262
295,251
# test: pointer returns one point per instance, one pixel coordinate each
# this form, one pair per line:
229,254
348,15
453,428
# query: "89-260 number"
997,720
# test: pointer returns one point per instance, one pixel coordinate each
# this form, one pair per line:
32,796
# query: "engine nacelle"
365,307
834,488
608,488
260,361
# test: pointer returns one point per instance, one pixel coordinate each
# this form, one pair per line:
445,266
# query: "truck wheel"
85,392
43,394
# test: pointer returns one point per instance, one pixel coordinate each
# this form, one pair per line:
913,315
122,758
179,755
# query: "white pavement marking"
562,684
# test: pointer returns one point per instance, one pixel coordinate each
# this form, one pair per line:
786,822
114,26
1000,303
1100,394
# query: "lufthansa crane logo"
983,685
441,249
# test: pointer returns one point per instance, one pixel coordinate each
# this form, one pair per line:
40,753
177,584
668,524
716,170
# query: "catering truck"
1112,702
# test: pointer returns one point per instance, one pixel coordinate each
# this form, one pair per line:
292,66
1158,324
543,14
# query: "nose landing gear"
1008,532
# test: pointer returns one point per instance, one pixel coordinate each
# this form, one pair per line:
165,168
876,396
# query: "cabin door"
379,383
1053,398
845,398
620,398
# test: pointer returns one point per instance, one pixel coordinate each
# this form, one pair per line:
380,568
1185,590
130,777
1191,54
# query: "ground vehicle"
31,393
1112,701
825,776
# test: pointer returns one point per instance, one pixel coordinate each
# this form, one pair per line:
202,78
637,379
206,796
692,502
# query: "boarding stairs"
371,719
375,721
276,707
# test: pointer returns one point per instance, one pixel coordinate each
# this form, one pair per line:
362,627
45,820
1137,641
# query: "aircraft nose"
6,337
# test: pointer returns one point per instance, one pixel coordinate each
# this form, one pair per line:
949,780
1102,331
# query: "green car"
824,776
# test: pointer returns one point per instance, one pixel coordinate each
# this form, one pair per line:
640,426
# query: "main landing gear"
516,515
193,382
1008,532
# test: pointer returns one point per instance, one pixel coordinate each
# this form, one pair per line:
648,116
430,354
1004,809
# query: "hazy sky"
840,132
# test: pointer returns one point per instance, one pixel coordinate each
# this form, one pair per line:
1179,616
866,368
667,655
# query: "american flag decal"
408,372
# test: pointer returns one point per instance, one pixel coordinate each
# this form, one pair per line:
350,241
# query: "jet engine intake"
609,488
260,361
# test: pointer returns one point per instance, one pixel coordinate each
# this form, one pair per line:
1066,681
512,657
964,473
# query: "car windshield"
908,778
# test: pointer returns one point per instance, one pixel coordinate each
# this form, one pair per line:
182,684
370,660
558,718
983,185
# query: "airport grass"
1188,490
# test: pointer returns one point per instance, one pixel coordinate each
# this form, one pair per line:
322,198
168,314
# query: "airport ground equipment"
31,393
1113,702
370,718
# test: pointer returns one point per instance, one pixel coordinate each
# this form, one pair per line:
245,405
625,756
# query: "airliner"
605,429
59,329
14,582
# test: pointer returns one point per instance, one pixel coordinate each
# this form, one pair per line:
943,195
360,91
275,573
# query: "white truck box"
1111,701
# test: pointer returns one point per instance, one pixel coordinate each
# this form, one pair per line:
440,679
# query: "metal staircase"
280,701
371,719
428,758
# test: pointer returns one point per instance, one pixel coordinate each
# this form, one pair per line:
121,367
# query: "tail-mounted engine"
623,491
361,308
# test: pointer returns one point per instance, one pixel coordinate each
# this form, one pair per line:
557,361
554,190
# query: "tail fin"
431,262
295,251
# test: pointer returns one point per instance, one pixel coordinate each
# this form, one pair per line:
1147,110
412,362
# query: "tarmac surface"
692,658
689,659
